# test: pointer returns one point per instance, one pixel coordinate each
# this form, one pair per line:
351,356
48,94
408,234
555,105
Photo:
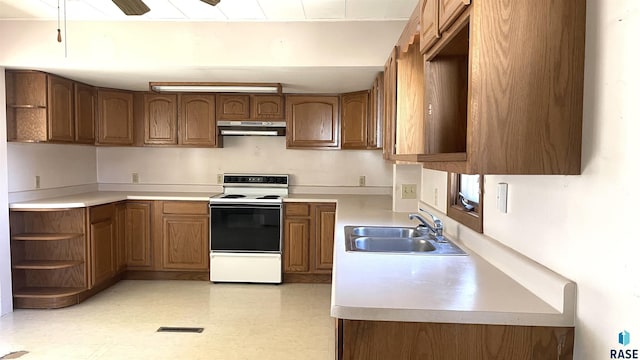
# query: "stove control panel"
255,180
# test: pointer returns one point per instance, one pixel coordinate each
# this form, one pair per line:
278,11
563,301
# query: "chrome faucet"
435,230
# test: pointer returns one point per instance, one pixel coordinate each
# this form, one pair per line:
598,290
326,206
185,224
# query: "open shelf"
46,264
45,236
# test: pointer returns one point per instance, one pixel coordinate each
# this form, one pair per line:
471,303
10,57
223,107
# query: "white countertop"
391,287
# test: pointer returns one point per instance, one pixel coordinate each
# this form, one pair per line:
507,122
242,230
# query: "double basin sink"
396,240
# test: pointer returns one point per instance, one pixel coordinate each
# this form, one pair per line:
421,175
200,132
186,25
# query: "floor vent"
180,329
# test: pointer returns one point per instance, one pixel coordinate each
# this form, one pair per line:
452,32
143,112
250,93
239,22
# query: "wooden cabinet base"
166,275
356,339
306,278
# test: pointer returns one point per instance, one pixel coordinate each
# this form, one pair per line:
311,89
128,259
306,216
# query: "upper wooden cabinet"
40,107
267,107
160,119
233,107
312,121
437,16
85,113
354,109
389,114
197,120
249,107
376,109
60,95
115,117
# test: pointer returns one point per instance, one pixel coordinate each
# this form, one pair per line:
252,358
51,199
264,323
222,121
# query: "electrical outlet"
220,178
409,191
362,181
37,181
135,178
435,196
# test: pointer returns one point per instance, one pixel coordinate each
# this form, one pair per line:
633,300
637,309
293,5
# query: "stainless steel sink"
389,232
396,239
399,244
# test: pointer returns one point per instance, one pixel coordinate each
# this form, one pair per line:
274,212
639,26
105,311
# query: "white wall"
6,300
583,227
261,154
57,165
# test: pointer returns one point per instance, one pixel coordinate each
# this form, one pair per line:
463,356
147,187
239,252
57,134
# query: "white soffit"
241,10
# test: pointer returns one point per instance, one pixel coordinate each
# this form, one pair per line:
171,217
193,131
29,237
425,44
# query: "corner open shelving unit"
48,257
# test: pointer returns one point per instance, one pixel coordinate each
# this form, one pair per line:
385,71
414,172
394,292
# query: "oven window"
241,228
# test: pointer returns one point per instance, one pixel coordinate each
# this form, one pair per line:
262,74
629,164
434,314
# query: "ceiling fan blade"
211,2
132,7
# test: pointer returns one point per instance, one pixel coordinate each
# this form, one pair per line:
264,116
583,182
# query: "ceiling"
308,45
226,10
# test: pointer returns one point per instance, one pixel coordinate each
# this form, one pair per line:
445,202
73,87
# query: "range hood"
252,128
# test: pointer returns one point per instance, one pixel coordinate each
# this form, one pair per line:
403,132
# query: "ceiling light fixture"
271,88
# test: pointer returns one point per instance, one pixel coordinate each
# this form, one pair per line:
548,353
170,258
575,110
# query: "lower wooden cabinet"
308,238
102,243
359,339
185,235
138,235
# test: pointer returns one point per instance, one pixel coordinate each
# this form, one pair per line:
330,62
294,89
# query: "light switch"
502,197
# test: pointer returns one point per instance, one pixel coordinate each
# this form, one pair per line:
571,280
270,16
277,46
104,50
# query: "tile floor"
241,321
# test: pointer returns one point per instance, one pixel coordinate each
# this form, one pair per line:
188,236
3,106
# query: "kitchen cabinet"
376,108
448,12
185,235
138,235
232,107
360,339
115,117
490,111
85,113
354,119
312,122
160,119
40,107
429,29
121,235
250,107
308,241
48,257
267,107
197,120
102,243
389,115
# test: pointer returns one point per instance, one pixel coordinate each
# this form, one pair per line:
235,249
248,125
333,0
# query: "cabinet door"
102,234
185,244
429,31
376,108
296,244
448,12
312,121
267,107
115,117
232,107
60,94
198,120
160,119
325,226
85,113
354,119
138,236
390,91
121,233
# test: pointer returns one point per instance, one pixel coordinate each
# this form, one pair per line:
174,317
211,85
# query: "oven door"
255,228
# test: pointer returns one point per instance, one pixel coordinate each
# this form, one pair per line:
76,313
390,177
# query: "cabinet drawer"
101,212
185,207
296,209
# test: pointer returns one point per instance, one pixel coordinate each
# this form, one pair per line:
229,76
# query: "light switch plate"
409,191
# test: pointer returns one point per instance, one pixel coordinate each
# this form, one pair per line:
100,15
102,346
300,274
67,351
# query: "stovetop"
254,188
